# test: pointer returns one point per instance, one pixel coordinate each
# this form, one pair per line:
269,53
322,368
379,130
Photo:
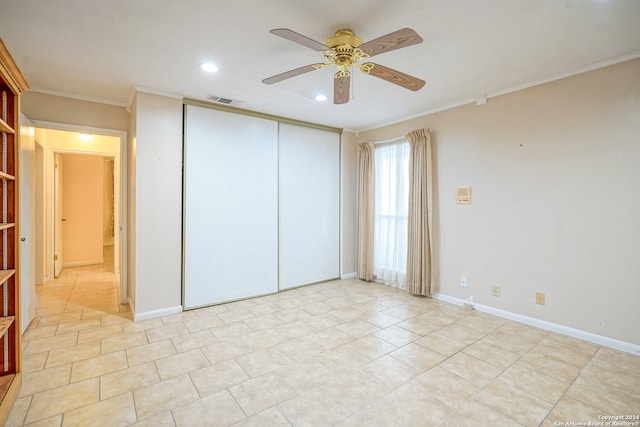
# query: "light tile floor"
341,353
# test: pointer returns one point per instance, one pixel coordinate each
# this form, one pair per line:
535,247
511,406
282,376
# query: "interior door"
309,205
57,215
230,208
27,224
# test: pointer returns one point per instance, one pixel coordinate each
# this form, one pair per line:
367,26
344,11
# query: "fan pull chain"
351,84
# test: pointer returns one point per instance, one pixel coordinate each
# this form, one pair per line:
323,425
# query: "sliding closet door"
309,172
230,206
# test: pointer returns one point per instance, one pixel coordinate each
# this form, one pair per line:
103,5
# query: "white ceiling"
102,50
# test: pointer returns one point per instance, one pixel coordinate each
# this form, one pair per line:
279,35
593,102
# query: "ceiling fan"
345,50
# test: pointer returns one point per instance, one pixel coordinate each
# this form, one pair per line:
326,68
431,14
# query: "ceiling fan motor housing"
344,37
344,51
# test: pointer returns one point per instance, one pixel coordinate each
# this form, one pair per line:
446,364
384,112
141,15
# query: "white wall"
349,204
131,211
27,222
40,225
155,197
555,200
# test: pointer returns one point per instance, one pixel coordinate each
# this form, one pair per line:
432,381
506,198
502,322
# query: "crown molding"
484,97
78,97
10,71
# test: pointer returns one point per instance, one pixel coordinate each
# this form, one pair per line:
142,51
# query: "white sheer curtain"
391,210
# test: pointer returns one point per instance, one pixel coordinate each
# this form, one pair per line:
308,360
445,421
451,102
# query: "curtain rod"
393,140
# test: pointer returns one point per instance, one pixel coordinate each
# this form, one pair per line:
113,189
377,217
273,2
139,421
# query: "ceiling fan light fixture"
321,97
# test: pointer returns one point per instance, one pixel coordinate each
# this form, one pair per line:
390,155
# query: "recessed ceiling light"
85,137
209,68
321,97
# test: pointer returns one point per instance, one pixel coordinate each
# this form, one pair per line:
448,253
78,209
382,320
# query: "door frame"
57,213
120,162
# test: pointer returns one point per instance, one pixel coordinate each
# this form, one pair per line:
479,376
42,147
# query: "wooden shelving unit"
12,84
4,127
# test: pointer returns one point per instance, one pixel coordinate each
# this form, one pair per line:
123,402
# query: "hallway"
81,295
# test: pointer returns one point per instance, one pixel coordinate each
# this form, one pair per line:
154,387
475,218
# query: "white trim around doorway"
121,160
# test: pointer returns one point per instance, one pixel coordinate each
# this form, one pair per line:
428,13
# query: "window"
391,210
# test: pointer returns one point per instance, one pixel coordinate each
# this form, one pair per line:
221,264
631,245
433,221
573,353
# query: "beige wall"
82,208
57,109
131,212
554,171
155,198
349,199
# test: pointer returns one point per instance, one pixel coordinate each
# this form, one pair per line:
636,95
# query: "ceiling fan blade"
291,73
299,38
396,77
341,89
396,40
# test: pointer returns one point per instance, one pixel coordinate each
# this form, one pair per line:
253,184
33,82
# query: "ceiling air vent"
221,100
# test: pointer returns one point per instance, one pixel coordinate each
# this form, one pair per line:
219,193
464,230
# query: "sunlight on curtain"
391,209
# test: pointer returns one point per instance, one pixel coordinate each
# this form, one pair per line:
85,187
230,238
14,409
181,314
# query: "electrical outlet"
463,281
468,303
539,298
495,290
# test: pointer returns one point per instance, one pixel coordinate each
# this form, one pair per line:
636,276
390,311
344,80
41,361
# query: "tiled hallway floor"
341,353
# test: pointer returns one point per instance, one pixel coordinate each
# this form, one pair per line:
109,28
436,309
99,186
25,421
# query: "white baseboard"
83,263
548,326
156,313
349,276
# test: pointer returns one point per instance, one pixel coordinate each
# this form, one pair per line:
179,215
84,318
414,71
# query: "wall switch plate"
463,281
463,195
539,298
495,290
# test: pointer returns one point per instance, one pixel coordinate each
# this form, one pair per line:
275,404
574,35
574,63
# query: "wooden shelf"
5,384
5,322
7,176
4,127
6,275
6,226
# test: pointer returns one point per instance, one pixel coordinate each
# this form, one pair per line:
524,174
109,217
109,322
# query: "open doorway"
89,226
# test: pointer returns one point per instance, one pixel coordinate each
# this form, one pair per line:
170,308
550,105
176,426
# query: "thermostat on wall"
463,195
